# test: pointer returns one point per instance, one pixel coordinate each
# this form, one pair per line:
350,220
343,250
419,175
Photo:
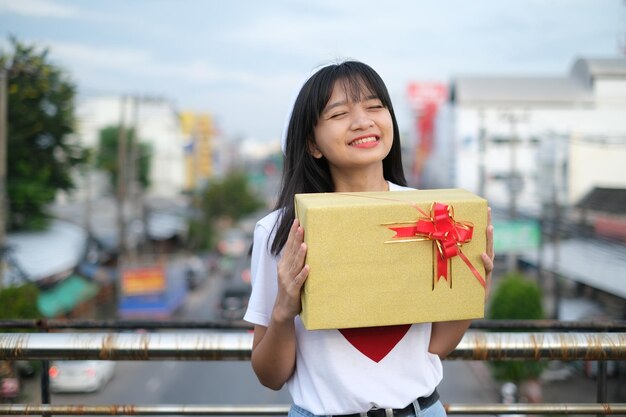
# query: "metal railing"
579,341
237,346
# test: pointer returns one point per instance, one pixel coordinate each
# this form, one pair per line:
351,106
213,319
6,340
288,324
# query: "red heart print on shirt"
375,342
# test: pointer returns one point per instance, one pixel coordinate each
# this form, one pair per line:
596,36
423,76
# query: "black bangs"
358,80
356,89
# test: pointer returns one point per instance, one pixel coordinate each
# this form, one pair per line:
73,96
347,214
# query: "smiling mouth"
361,141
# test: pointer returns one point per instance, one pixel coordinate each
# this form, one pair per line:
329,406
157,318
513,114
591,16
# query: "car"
234,301
80,376
195,273
26,369
234,242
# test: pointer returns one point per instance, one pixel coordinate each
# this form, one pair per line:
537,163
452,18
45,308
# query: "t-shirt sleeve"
263,267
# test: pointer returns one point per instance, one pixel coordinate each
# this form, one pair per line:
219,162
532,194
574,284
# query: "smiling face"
354,130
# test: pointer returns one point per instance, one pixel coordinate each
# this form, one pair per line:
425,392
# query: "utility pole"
557,213
121,185
87,220
515,179
556,241
132,169
482,149
513,175
4,107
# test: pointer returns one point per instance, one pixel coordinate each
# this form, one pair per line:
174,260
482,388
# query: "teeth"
363,140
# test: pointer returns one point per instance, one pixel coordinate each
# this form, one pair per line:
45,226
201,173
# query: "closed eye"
337,115
374,103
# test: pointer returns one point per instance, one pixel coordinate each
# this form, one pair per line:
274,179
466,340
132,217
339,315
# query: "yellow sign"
198,131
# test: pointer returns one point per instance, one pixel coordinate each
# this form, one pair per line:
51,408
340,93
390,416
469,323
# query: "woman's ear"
315,153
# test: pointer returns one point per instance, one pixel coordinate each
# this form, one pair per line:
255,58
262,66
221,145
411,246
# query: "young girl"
342,136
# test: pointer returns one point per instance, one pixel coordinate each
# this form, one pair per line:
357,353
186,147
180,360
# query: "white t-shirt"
331,375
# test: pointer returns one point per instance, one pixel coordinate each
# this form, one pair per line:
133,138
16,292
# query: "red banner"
425,98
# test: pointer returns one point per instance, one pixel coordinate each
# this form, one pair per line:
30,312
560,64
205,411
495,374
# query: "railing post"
45,381
45,372
601,375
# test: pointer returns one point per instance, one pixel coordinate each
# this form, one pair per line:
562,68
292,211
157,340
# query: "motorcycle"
9,382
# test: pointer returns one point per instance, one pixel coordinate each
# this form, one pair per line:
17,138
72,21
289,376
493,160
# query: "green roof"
66,295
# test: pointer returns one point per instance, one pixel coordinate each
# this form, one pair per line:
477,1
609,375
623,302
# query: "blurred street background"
139,144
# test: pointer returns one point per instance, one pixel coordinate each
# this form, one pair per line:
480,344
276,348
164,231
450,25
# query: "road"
175,382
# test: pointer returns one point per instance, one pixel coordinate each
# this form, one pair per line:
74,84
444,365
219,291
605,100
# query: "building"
525,141
537,147
156,213
156,123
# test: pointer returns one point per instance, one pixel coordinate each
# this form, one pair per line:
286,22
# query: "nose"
361,119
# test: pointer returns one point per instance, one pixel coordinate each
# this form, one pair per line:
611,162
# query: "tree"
108,151
19,302
516,298
41,152
228,199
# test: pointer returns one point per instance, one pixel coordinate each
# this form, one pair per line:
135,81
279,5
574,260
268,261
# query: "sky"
242,60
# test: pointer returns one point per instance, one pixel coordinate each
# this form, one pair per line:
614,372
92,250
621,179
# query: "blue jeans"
435,410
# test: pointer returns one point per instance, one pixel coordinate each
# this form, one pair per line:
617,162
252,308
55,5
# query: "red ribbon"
447,234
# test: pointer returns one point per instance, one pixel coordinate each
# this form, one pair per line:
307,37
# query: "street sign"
516,235
145,280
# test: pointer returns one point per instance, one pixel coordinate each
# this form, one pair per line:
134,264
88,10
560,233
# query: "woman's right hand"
292,273
274,346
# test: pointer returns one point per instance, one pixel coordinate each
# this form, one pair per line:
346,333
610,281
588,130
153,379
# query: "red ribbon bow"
446,233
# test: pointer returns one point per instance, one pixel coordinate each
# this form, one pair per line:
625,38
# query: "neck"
361,180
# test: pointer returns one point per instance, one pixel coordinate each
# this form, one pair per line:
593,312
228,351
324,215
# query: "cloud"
127,59
47,9
117,69
39,8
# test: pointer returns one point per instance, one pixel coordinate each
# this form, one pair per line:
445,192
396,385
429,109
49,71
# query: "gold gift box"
362,274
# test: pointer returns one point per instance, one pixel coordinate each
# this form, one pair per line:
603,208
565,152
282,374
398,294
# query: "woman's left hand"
446,335
489,255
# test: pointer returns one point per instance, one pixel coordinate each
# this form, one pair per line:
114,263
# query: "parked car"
26,369
234,242
237,289
234,301
236,270
196,272
80,376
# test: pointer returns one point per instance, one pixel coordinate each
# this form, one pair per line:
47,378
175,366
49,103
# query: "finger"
298,259
298,238
289,245
487,263
299,279
301,256
286,262
294,241
490,250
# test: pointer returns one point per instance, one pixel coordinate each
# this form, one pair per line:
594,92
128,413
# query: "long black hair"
302,173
